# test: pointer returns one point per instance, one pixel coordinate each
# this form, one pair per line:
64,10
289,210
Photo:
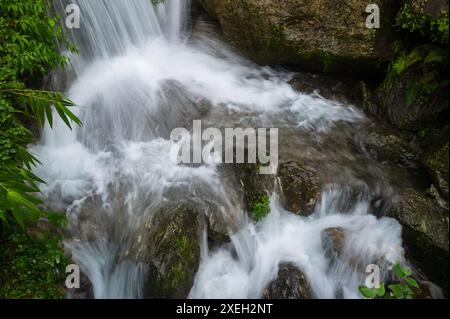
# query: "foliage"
421,24
29,48
422,58
403,289
261,208
30,267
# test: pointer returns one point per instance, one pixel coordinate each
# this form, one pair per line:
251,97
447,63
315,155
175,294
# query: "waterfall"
139,74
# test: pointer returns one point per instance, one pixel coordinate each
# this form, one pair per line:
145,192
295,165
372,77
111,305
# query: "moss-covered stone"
425,233
317,35
173,253
396,107
415,92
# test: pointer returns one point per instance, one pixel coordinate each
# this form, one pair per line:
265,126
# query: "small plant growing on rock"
261,208
401,290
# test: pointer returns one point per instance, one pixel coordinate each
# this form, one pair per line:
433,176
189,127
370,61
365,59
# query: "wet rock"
425,110
173,253
290,284
425,233
86,290
436,162
203,106
390,146
254,184
364,97
92,222
327,86
317,35
301,187
333,242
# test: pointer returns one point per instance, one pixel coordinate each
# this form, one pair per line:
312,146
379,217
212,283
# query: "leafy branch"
40,103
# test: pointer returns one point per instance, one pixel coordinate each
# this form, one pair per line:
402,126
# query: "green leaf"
412,282
436,56
63,116
399,271
399,66
411,93
3,216
21,199
57,219
72,116
397,291
367,292
48,111
381,291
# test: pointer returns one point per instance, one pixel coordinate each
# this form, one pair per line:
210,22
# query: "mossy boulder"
425,233
316,35
291,283
173,253
415,92
395,105
301,187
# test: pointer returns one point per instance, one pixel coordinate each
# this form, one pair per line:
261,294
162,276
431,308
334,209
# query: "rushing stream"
141,71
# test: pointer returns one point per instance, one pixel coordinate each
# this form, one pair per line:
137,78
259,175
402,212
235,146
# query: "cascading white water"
286,238
137,77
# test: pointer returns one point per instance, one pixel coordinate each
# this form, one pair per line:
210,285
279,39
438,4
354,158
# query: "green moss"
177,275
184,248
185,251
30,268
178,252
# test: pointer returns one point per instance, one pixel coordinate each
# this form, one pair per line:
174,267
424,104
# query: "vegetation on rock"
261,208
